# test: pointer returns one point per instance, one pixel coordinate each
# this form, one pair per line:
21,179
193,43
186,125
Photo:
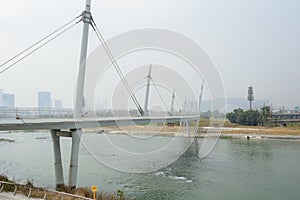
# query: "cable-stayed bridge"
72,126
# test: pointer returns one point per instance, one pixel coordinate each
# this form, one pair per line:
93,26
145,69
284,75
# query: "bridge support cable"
116,66
37,45
162,100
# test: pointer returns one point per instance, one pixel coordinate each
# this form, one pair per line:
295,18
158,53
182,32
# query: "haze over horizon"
251,42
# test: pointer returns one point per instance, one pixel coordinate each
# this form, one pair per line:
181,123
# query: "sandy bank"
226,132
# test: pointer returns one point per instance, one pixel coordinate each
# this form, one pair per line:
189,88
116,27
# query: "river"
235,169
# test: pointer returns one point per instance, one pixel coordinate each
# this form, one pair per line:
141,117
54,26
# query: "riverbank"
232,128
14,190
264,131
255,136
284,133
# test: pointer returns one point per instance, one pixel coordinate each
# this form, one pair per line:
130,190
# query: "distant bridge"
285,117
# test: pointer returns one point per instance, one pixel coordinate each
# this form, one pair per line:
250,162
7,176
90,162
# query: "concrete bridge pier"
74,158
58,169
59,177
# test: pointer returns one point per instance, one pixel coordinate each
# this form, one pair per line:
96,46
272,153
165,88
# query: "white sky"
252,42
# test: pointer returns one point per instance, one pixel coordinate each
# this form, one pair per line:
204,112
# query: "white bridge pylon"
74,132
86,19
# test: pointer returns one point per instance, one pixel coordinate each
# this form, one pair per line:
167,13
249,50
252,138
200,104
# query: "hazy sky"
251,42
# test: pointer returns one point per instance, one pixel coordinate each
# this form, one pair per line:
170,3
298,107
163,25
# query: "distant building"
44,99
8,100
58,104
1,97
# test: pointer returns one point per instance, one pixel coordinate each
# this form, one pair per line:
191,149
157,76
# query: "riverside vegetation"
251,117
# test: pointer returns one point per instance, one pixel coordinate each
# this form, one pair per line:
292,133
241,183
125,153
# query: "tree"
248,118
252,118
265,114
237,116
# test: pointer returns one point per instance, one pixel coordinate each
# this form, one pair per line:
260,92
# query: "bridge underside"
72,123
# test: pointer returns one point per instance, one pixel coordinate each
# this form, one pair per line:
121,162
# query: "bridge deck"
40,124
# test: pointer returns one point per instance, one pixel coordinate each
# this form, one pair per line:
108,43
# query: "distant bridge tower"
184,106
250,96
200,98
147,91
172,103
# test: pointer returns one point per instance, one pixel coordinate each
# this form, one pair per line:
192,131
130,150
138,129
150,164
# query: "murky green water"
236,169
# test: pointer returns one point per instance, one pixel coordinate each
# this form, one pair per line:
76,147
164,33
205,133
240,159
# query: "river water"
235,169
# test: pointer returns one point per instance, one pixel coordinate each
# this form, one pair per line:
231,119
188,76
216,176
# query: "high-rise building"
58,104
44,99
8,100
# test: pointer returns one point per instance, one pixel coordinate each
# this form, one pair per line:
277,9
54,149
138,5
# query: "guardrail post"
2,186
59,177
29,193
16,188
45,195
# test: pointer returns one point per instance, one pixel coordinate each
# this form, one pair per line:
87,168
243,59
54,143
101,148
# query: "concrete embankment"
253,136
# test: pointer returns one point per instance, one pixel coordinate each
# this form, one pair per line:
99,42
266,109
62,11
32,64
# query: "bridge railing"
286,116
34,113
30,189
27,113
